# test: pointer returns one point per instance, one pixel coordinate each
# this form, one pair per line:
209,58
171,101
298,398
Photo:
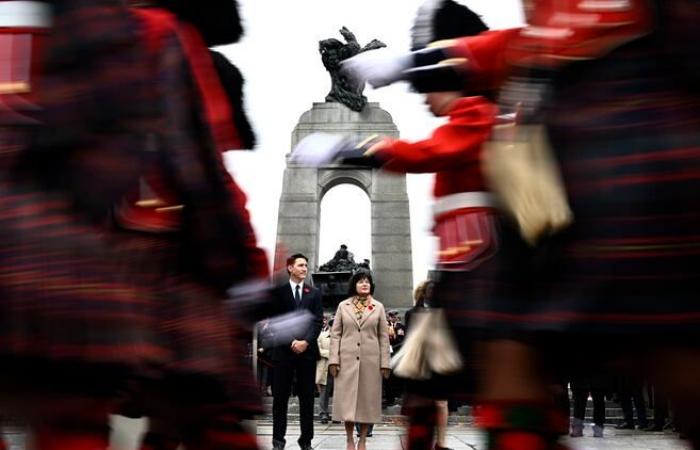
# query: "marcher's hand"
378,67
251,301
386,373
333,369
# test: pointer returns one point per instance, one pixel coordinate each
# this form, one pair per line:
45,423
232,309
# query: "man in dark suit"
296,360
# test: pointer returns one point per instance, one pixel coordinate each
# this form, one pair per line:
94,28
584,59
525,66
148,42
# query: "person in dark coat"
294,363
629,392
582,385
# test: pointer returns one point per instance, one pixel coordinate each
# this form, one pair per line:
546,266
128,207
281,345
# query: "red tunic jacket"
463,223
453,152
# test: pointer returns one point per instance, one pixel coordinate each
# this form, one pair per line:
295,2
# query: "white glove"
319,149
379,67
283,329
250,301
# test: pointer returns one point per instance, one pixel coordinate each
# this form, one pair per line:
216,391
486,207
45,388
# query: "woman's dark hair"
357,276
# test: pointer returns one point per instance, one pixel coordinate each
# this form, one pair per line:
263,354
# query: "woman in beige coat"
359,357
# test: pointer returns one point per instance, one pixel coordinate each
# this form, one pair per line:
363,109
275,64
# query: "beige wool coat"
361,348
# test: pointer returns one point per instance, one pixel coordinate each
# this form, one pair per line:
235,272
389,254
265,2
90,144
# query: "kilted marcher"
72,328
465,214
98,290
618,97
213,91
359,358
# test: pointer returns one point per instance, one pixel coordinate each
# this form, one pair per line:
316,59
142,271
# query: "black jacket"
285,303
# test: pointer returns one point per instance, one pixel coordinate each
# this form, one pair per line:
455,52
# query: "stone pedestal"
303,188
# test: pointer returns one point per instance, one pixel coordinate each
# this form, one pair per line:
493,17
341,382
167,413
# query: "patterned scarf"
360,305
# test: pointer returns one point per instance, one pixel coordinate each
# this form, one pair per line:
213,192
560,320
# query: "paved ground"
466,437
391,437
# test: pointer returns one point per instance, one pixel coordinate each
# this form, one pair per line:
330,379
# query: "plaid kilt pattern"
63,296
77,294
206,360
627,135
64,300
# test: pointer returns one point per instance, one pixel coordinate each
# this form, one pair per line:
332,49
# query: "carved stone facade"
298,226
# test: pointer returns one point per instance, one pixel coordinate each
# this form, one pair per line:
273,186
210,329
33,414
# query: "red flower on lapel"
370,307
306,290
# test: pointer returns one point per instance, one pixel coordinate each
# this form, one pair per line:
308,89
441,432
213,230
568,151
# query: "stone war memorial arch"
347,112
298,225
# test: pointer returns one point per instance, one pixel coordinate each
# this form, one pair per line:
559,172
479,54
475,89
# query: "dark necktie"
297,295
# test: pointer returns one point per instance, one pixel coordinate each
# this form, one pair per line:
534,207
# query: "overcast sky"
284,76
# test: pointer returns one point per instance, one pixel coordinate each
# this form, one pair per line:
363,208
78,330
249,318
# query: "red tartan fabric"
521,415
160,26
114,302
421,427
518,440
63,295
63,440
19,50
157,24
521,425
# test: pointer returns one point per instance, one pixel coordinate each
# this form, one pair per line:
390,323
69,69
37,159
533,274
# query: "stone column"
391,239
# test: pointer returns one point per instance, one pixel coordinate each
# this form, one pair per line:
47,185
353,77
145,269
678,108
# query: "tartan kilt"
627,136
109,306
62,297
207,364
105,308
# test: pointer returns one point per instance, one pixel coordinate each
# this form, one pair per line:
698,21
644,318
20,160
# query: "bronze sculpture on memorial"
343,261
333,277
344,89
